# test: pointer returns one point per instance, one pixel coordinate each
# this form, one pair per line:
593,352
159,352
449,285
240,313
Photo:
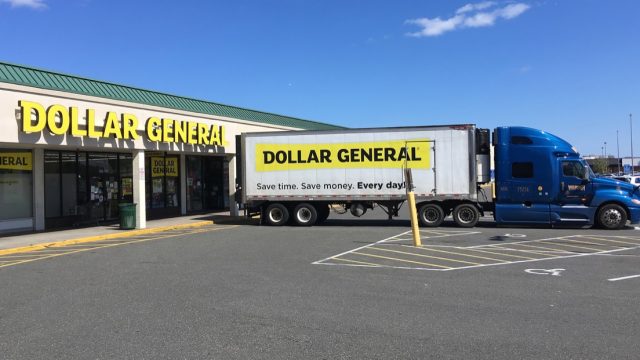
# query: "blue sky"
571,67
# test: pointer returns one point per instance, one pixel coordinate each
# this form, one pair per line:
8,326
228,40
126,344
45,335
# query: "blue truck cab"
541,179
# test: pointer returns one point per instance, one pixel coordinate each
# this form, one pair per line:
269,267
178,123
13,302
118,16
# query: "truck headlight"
635,201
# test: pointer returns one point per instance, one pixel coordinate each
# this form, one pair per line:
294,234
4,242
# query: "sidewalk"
24,240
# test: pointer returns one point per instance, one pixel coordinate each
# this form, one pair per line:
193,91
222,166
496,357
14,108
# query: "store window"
16,184
84,188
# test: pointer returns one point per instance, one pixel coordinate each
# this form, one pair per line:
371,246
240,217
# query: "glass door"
194,183
103,186
162,185
213,189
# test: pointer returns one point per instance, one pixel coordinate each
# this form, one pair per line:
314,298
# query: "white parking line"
522,248
361,247
624,277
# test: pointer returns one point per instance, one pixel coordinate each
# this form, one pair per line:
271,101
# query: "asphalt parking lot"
348,289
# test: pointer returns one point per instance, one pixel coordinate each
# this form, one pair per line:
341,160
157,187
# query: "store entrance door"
162,185
205,183
213,199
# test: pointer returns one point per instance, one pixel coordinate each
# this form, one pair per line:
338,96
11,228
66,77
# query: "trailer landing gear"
390,207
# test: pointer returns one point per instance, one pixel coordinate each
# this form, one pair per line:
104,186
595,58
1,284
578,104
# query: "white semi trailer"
295,176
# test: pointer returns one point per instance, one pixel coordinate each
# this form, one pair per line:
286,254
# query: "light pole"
618,146
605,149
631,128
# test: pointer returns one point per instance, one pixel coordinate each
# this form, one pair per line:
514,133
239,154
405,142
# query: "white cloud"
468,16
34,4
435,26
475,7
512,10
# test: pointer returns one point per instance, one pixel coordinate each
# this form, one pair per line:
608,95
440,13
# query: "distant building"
614,165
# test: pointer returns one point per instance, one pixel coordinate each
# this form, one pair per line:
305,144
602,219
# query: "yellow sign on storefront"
161,166
15,161
62,120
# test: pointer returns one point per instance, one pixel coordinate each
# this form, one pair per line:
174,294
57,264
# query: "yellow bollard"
414,219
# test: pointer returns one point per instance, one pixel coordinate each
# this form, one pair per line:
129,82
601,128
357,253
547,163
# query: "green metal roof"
22,75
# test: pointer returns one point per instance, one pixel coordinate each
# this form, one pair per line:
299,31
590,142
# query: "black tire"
466,215
276,214
430,215
612,217
305,214
323,213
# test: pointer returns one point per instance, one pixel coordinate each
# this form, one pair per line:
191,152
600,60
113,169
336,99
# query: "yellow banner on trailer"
379,154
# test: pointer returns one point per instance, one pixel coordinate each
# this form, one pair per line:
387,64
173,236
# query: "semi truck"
297,177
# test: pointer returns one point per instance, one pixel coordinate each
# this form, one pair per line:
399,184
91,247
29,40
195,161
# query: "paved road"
251,292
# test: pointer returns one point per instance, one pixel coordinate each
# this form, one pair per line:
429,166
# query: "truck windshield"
590,173
575,168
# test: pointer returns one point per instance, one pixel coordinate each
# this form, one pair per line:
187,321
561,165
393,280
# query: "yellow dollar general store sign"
164,166
61,120
15,161
389,154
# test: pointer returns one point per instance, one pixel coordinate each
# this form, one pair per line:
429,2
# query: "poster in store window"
127,186
161,166
157,186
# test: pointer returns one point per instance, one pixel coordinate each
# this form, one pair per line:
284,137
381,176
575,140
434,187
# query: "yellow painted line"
401,260
542,252
501,254
422,255
355,262
72,246
594,243
48,250
105,246
615,241
540,247
462,254
572,246
19,256
122,234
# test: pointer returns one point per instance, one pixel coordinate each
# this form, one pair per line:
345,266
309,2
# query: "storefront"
16,188
73,149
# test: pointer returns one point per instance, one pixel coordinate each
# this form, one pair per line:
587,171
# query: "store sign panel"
161,166
61,120
15,161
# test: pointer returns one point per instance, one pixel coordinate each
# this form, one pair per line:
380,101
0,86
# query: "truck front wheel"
305,214
430,215
466,215
276,214
612,217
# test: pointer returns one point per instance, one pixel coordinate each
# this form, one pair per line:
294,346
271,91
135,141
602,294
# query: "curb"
117,235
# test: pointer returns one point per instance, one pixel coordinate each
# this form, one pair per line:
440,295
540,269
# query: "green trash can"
127,216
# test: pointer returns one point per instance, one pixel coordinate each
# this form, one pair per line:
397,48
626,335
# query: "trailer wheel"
612,217
276,214
466,215
305,214
430,215
323,213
